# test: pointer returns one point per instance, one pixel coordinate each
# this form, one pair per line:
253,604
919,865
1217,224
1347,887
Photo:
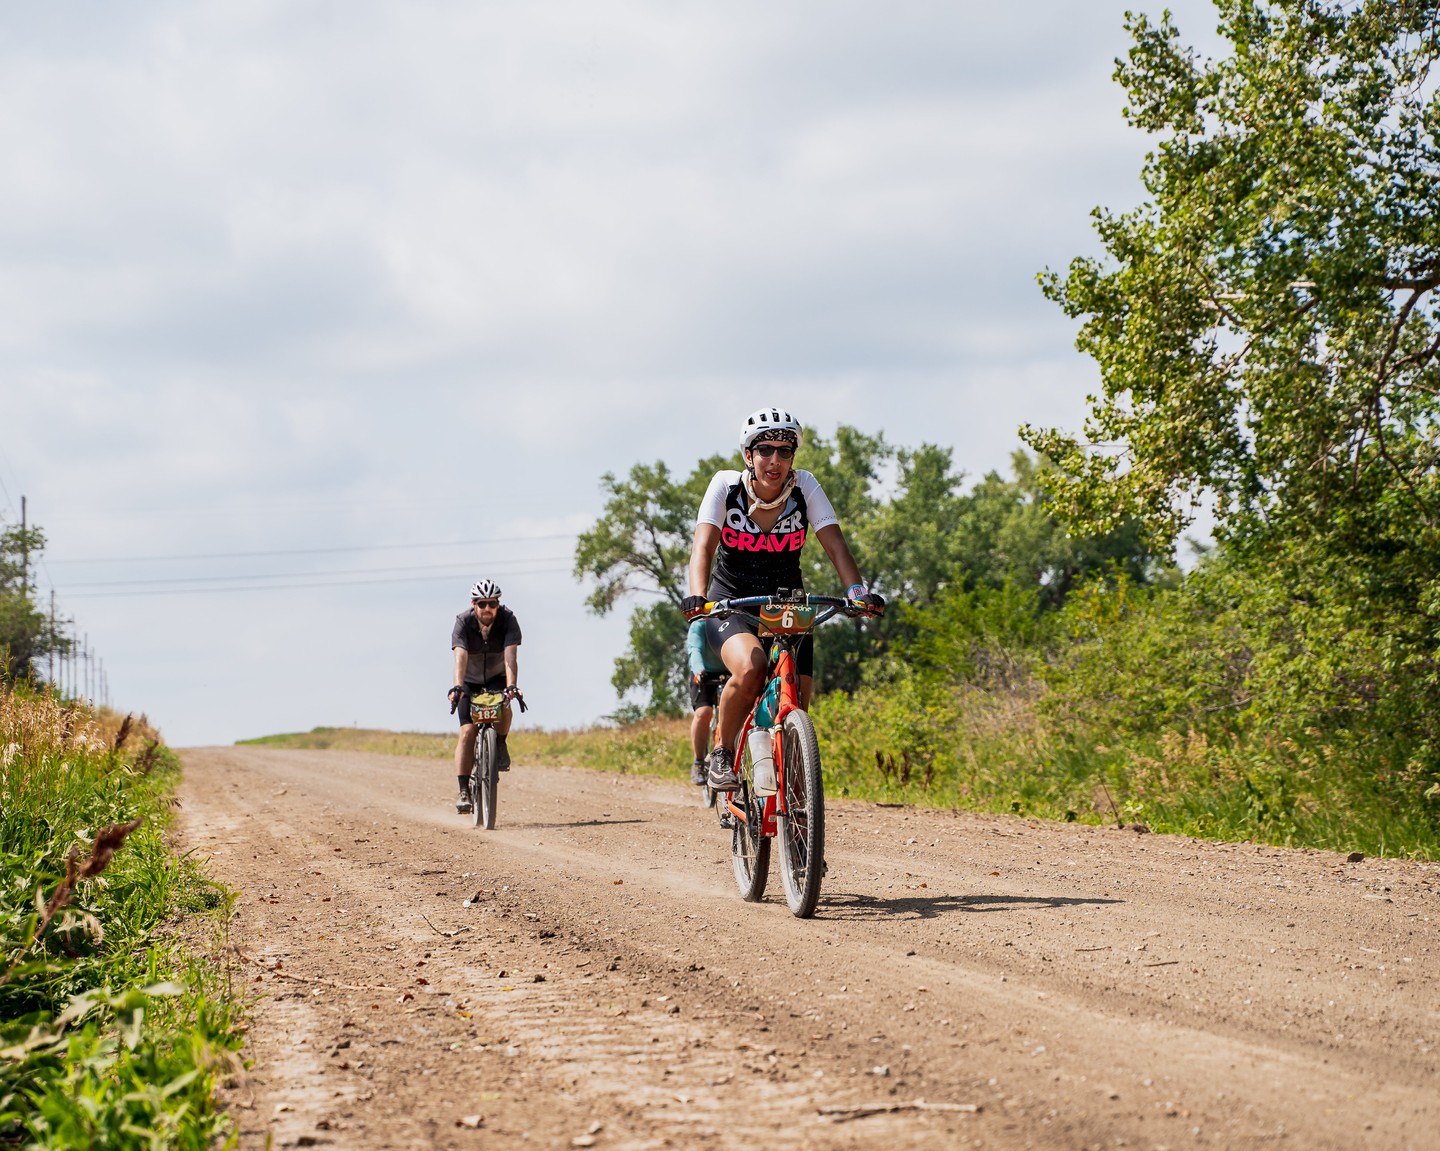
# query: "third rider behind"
707,673
485,642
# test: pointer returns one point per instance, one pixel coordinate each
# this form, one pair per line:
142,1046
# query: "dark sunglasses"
486,602
765,451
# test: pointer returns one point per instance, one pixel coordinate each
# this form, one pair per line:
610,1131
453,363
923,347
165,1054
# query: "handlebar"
509,692
836,605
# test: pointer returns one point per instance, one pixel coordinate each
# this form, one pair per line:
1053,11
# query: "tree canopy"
913,528
25,632
1265,324
1266,330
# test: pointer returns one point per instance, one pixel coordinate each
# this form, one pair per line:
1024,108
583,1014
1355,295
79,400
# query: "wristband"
856,591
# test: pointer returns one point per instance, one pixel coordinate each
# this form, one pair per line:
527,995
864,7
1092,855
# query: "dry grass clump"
34,725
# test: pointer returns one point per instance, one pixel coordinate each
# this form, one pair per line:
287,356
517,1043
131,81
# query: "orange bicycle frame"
782,666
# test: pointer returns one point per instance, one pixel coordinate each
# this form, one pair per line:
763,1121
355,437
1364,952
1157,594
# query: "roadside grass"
115,1026
651,747
1002,752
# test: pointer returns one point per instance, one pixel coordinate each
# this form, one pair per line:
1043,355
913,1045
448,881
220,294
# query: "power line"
233,576
311,551
296,586
5,491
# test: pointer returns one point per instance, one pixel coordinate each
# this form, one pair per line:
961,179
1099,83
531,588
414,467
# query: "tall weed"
112,1030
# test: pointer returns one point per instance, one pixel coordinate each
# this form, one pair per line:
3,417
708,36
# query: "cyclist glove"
692,606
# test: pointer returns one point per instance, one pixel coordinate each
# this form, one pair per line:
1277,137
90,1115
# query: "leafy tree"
1266,325
25,632
641,545
912,537
1267,333
926,537
848,468
1010,531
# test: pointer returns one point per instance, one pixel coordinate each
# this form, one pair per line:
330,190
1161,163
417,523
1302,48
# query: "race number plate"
781,618
485,708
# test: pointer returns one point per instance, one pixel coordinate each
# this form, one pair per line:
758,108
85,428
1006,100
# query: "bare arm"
461,658
832,539
702,555
512,664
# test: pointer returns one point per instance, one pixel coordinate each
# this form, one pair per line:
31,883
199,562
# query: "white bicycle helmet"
485,589
776,422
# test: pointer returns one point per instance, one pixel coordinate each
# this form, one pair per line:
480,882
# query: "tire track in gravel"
608,988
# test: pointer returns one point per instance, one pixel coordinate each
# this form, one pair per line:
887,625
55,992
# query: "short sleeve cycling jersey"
485,655
750,561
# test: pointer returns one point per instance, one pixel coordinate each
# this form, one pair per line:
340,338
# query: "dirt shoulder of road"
586,975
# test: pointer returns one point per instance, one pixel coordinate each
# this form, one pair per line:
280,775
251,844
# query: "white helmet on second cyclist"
485,589
776,423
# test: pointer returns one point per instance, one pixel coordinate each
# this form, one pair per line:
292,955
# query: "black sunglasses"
765,451
486,602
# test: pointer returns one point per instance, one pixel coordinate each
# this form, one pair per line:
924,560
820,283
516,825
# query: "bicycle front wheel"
802,825
487,779
749,849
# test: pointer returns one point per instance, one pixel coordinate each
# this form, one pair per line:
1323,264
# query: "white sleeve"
817,503
712,507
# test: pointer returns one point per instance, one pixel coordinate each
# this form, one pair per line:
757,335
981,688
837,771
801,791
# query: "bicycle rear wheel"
749,850
486,779
802,827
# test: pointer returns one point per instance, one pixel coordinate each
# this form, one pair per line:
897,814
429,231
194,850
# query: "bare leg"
700,730
465,750
745,660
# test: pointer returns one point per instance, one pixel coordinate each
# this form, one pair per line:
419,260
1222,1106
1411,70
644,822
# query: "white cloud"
284,276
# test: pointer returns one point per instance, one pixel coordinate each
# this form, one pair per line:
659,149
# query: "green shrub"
112,1030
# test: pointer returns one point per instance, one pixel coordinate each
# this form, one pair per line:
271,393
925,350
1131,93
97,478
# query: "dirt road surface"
586,975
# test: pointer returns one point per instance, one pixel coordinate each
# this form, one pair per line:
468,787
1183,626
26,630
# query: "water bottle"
762,755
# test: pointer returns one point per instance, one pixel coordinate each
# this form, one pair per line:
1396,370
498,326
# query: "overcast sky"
320,311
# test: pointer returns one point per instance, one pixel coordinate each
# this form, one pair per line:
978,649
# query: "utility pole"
51,676
24,553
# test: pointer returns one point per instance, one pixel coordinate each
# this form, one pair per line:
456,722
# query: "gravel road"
586,975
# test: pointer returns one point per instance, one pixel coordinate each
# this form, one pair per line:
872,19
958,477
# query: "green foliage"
642,541
1266,326
111,1032
641,544
912,529
1267,330
1267,333
26,633
655,660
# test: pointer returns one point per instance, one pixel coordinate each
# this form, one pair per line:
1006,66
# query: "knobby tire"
486,779
749,850
802,830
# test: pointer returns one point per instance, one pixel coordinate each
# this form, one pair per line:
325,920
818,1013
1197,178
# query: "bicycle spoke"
802,828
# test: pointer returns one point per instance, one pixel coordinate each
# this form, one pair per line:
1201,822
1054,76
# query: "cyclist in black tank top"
750,529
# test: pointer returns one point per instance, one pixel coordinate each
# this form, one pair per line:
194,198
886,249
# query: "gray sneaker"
502,755
462,803
722,770
697,773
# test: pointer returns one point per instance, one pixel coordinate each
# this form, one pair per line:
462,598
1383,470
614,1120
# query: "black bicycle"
719,679
486,708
